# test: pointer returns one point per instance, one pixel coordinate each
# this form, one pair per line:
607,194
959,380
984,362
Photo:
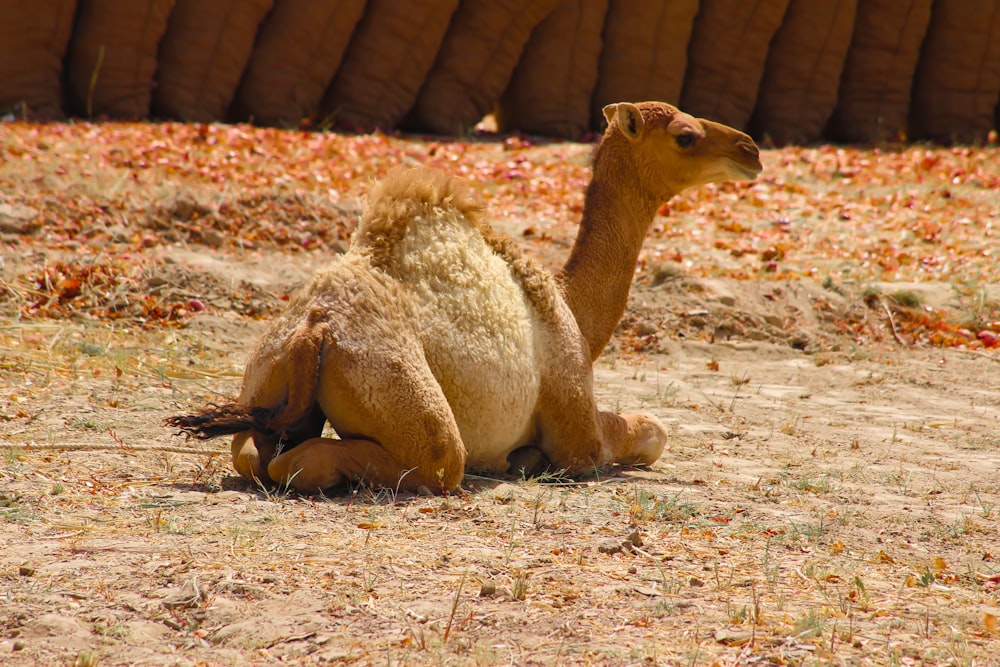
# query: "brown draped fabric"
726,58
33,41
298,50
553,83
645,53
798,93
112,56
203,55
376,92
874,94
475,63
957,84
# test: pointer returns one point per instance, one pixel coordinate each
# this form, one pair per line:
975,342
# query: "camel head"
673,151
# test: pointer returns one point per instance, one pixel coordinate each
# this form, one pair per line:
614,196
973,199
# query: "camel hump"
412,196
432,208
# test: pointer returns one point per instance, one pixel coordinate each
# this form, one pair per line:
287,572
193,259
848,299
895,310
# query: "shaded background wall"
789,71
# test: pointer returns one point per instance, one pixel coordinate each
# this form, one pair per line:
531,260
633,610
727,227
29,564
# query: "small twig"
96,446
566,483
454,608
804,577
892,323
128,449
642,552
714,404
978,353
291,638
739,383
93,81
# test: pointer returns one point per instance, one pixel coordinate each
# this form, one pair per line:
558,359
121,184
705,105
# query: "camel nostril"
750,148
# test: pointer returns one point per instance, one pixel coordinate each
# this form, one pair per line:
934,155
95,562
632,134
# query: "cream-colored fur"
479,344
434,346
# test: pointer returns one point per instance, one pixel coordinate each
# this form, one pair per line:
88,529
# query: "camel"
435,347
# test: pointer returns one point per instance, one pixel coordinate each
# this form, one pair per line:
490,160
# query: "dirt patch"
817,503
829,496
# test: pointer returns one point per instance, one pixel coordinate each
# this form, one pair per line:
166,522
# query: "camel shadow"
353,494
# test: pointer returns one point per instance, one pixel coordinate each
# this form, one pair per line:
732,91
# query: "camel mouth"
744,171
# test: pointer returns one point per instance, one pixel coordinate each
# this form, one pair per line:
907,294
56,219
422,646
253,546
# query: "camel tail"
218,420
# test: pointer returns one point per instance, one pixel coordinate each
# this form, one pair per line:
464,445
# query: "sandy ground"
819,503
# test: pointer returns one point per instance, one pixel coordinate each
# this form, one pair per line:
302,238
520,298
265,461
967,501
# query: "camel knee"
648,438
634,439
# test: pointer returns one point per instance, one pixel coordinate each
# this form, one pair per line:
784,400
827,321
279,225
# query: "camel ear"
630,120
609,112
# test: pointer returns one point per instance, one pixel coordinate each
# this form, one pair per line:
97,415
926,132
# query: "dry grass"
738,548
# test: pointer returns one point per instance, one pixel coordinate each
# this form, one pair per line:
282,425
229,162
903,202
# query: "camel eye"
685,140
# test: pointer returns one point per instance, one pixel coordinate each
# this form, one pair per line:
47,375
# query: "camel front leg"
576,436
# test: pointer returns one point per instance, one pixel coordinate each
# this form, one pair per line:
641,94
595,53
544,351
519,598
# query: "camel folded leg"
396,427
252,451
321,463
633,439
251,455
577,437
528,461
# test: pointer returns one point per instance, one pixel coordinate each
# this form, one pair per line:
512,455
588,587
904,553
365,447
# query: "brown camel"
434,346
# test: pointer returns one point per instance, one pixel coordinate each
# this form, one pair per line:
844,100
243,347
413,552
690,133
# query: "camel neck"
598,274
